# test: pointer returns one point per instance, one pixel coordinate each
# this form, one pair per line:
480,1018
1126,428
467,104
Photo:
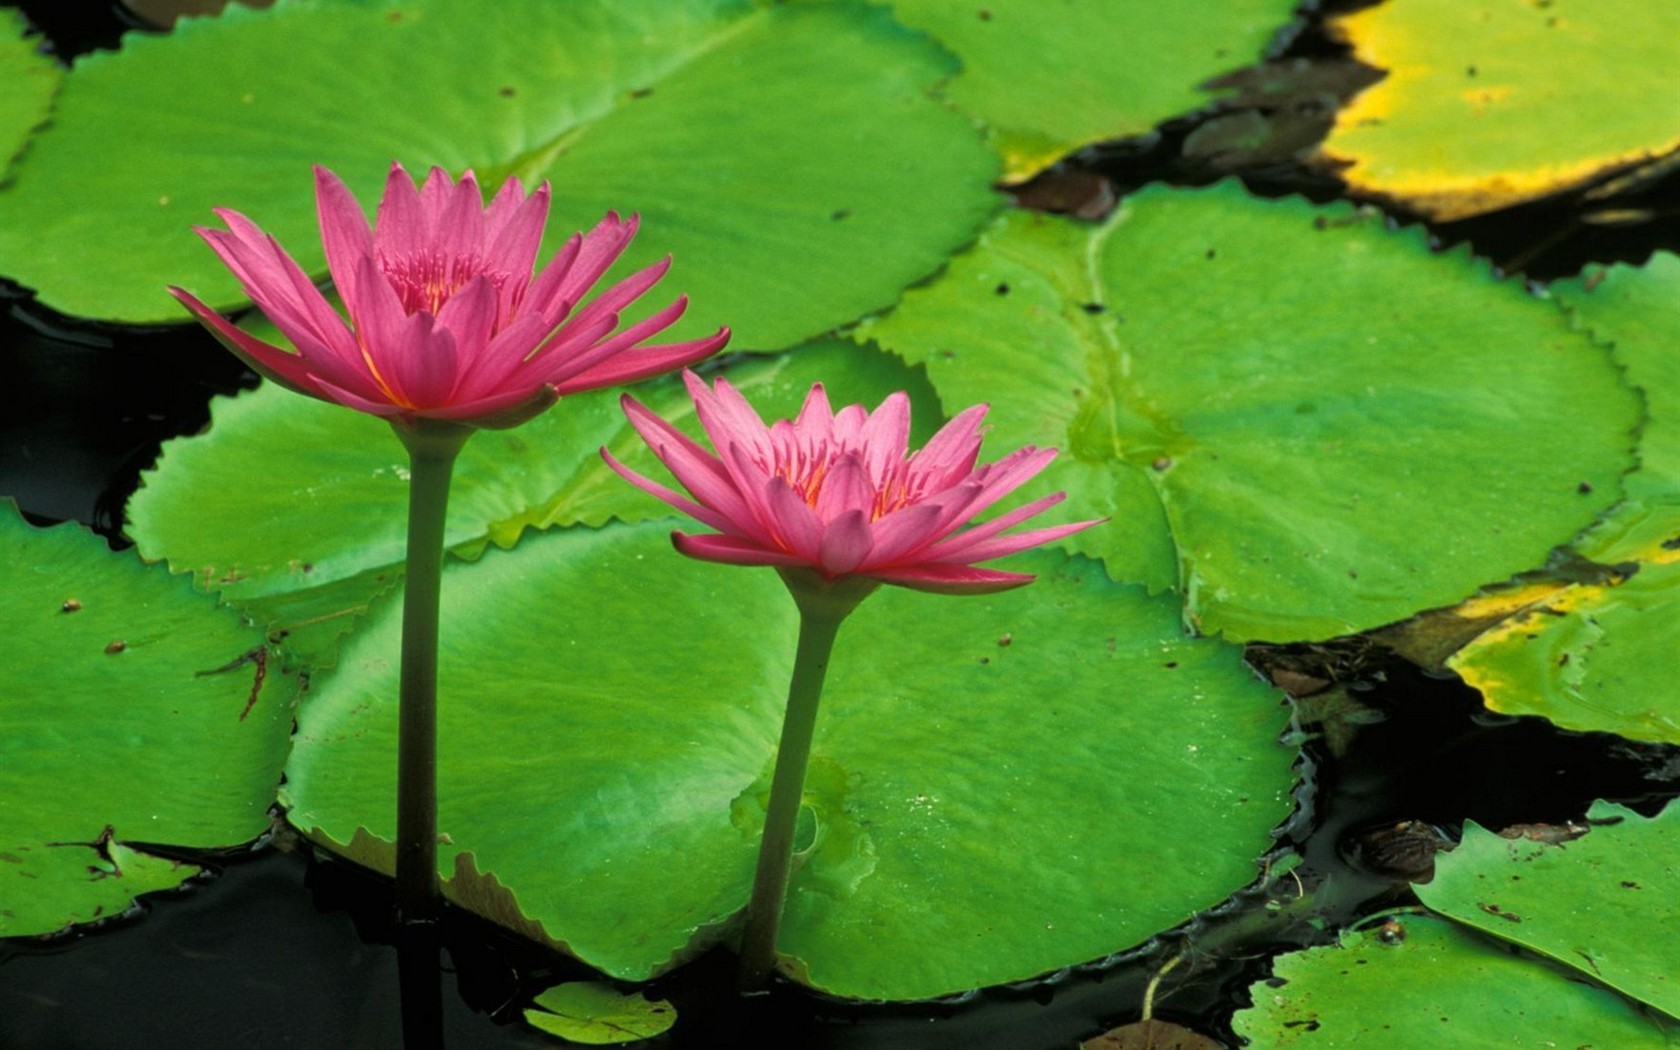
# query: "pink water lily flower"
447,321
840,493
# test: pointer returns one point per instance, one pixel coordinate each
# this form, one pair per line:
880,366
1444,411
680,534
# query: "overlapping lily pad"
285,493
1488,105
1591,903
28,80
764,146
131,711
1590,656
1048,80
1326,425
1425,982
609,715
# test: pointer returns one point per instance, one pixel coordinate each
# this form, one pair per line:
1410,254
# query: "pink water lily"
840,493
447,321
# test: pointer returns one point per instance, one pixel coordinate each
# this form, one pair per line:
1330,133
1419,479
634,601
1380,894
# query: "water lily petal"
953,579
345,233
634,365
733,551
846,542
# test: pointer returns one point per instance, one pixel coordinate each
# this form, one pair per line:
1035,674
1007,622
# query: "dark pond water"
278,948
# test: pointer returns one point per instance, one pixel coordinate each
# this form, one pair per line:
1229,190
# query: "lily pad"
1636,310
29,80
789,157
1325,424
1489,105
597,1014
1589,903
330,486
1421,982
131,711
609,713
1049,80
1589,656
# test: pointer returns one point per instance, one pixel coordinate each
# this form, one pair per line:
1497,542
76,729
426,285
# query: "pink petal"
952,452
399,227
955,545
999,546
543,296
792,521
696,470
629,366
653,488
345,233
733,551
845,543
886,434
459,229
625,292
951,579
898,534
270,362
470,317
571,364
492,373
845,489
414,363
999,479
600,248
815,422
728,419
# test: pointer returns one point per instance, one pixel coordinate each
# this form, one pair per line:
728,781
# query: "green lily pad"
598,1014
1327,425
609,713
329,486
1636,309
1489,105
789,157
1424,983
1049,80
1589,657
1590,903
29,80
131,711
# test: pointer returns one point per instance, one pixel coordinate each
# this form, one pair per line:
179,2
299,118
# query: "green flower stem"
432,448
823,605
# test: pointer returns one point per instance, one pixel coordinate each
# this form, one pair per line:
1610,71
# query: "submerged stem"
823,605
432,448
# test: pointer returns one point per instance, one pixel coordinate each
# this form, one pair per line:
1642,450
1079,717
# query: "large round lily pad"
1490,104
1001,785
132,710
768,147
1328,426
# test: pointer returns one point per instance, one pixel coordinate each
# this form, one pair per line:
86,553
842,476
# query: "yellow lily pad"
1488,105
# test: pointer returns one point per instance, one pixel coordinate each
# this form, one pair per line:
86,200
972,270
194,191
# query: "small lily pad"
598,1014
